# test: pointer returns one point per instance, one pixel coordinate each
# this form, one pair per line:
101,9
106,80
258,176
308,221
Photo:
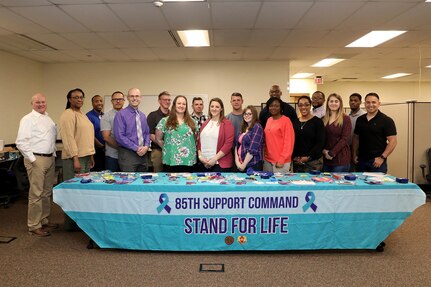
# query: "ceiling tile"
84,55
170,54
18,24
110,54
142,16
303,38
185,16
328,15
234,15
229,38
276,15
51,18
201,53
17,3
252,53
267,38
123,39
140,54
156,38
228,53
88,40
97,18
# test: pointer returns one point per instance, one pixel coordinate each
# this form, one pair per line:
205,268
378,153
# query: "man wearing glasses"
107,129
132,135
152,120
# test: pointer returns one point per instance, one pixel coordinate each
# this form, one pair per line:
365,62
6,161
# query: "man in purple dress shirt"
132,135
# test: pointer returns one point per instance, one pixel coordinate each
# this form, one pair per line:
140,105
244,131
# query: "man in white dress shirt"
36,141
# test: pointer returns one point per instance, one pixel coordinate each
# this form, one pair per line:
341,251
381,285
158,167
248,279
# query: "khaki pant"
156,159
41,175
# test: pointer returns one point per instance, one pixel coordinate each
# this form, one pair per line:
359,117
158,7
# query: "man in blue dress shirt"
132,135
99,143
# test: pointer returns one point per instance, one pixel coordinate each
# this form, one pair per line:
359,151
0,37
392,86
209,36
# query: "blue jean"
367,166
111,164
336,168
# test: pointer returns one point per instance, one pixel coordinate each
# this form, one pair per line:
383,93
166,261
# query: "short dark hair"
117,92
356,95
372,95
197,99
236,95
95,96
321,93
164,93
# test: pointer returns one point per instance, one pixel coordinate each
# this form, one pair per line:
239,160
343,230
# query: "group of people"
320,137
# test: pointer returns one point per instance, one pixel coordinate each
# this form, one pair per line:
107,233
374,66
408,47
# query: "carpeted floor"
63,260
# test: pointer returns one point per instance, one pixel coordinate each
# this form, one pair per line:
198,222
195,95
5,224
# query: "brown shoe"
39,232
50,226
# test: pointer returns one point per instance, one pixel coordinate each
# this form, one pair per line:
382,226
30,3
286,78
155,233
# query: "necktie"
139,130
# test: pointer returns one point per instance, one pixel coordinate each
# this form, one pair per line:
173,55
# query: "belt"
43,154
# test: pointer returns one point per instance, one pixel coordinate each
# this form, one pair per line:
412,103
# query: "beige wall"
19,80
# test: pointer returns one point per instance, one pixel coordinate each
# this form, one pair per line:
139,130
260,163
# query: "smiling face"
372,104
304,106
97,103
333,104
180,105
215,109
38,102
275,108
165,101
134,97
247,116
317,100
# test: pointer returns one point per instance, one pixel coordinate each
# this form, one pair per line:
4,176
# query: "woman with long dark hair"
176,134
249,149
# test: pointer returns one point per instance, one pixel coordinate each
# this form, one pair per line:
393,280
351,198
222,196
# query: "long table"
187,212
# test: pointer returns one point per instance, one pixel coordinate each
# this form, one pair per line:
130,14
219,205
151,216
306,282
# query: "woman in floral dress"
176,134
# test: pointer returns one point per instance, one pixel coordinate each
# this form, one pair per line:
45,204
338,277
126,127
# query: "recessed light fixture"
327,62
398,75
302,75
194,38
374,38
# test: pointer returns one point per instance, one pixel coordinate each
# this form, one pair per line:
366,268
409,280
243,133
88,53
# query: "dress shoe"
39,232
50,226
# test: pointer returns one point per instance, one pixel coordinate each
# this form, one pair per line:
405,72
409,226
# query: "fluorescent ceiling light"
398,75
374,38
429,65
327,62
194,38
302,75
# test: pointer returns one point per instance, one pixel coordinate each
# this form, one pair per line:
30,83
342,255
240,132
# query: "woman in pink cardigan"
216,140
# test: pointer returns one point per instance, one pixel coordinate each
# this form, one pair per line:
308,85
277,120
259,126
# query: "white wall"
215,78
20,78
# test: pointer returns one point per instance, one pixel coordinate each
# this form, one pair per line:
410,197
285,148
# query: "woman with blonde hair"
216,140
176,135
338,128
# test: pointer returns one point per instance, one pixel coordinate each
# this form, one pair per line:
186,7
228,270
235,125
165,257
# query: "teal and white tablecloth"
292,212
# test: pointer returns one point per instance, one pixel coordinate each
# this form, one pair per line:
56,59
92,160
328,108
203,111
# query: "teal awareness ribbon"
309,198
164,200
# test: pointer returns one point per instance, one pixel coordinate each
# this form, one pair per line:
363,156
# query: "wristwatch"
383,157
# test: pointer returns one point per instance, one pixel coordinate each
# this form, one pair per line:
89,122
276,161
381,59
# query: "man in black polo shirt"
152,121
375,137
286,109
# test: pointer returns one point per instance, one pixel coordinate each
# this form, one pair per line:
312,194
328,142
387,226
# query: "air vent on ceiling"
23,42
349,78
174,38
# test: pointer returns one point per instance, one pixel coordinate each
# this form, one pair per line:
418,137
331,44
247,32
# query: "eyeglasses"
248,114
303,105
117,100
78,97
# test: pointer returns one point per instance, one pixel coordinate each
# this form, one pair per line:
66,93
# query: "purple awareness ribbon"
164,200
309,198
